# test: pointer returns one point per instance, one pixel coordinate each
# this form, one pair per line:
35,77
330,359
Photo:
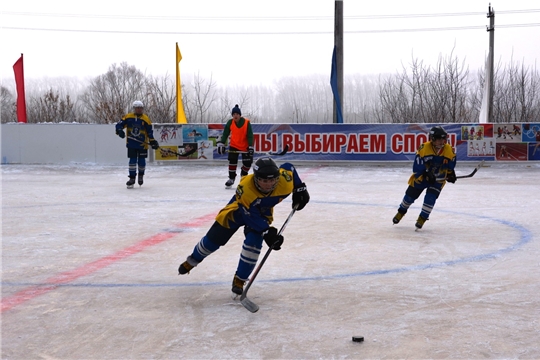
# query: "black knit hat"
236,110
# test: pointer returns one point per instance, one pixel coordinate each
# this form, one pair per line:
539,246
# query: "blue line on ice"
524,238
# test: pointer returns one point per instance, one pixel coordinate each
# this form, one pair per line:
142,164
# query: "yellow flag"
180,114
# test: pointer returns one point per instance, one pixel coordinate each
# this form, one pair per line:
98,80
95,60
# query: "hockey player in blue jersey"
139,134
251,207
433,166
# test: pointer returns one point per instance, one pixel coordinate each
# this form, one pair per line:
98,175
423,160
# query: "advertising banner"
356,142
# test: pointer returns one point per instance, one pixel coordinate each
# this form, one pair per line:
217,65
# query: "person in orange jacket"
240,142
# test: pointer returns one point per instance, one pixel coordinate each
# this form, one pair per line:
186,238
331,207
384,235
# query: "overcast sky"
257,41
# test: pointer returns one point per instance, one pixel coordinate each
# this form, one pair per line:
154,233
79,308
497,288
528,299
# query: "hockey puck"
357,338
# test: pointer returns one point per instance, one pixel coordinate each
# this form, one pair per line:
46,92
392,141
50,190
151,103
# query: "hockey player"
251,207
433,166
139,131
239,128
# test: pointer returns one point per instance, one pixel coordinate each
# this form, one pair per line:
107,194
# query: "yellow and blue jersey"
440,163
252,208
138,130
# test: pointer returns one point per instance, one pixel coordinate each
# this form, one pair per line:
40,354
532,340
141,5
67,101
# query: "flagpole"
337,61
491,16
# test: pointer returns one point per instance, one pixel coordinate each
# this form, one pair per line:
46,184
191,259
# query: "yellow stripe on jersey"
250,200
426,149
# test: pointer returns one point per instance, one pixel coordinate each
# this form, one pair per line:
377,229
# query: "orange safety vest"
238,135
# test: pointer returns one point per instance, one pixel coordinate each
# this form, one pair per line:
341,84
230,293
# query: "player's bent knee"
218,234
413,192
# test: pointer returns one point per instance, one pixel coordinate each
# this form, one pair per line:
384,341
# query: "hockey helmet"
138,104
437,132
266,174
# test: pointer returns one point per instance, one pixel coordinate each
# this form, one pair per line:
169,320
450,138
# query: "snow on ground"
89,268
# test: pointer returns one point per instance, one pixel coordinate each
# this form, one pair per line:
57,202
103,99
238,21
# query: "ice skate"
420,222
229,183
400,214
140,179
238,286
185,268
187,265
130,182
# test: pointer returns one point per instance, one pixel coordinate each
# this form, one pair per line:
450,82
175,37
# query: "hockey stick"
248,304
473,172
281,153
165,150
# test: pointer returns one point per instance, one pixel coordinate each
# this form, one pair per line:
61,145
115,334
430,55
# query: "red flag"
19,83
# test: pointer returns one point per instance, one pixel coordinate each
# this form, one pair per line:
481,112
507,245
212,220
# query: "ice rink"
89,268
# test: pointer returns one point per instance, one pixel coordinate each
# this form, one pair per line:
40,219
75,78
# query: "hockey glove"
300,197
120,133
251,151
220,148
429,177
272,239
154,144
451,177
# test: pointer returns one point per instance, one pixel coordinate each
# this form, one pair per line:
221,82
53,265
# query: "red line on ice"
52,283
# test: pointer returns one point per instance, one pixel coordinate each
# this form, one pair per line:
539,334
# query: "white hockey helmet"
138,104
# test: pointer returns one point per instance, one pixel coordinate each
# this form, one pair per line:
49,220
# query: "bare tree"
53,100
7,106
241,95
109,96
203,98
160,100
438,94
361,98
223,107
51,107
263,104
516,94
305,99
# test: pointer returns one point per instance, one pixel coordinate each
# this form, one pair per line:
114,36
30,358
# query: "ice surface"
89,268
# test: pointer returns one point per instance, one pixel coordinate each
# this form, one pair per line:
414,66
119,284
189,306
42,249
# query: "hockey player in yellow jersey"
251,207
433,166
139,135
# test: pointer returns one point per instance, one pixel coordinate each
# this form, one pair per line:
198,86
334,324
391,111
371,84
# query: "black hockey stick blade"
283,152
165,150
473,172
